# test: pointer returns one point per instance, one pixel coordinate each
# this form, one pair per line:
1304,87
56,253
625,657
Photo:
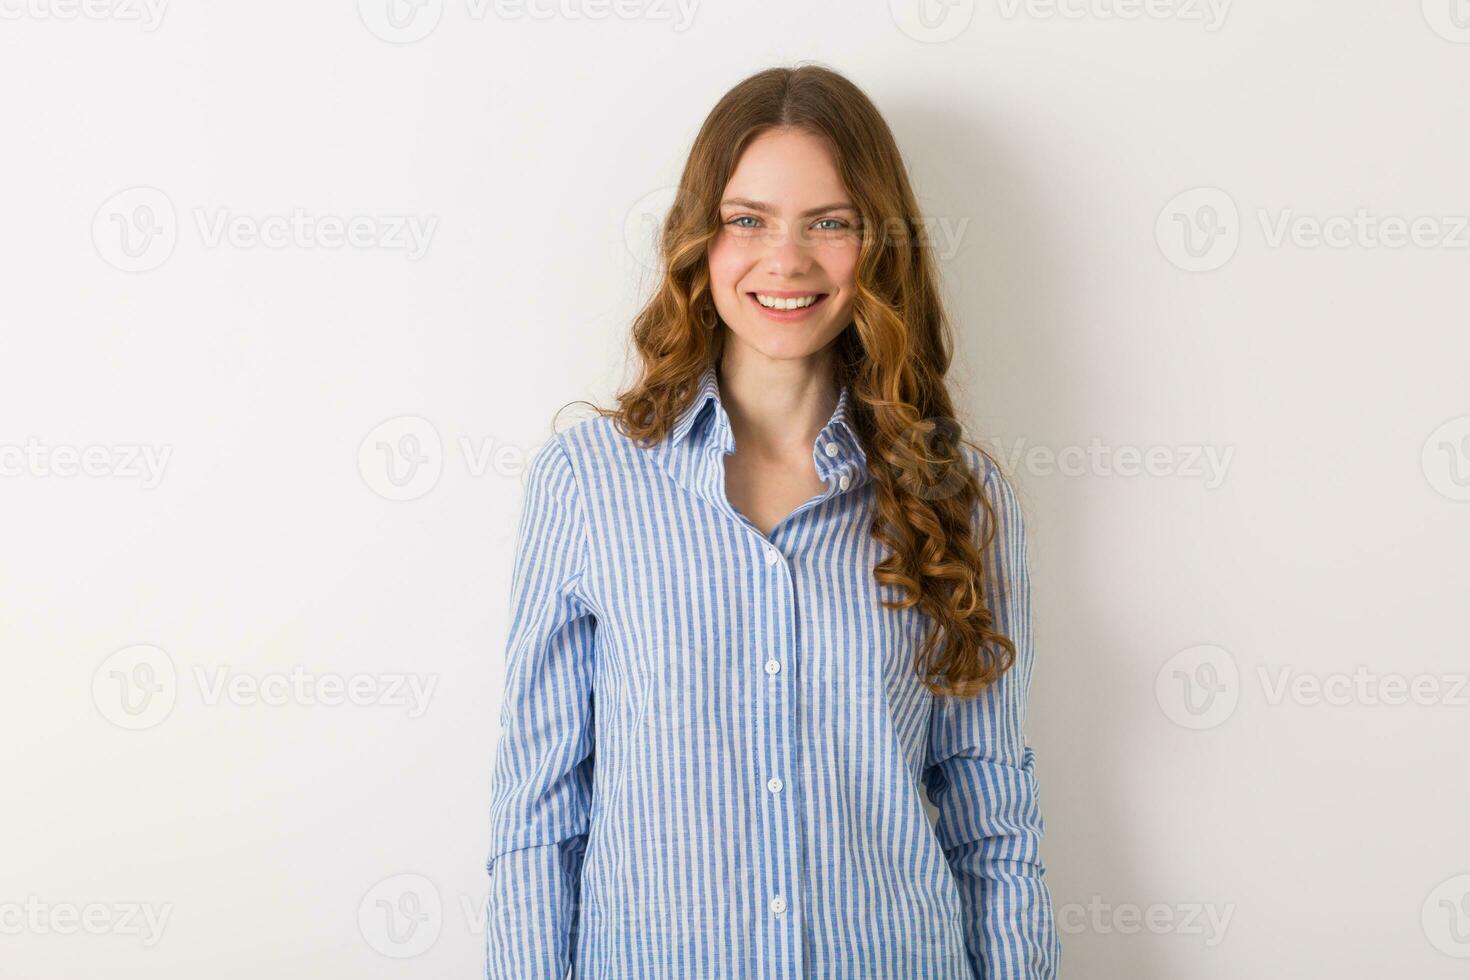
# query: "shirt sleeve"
981,776
543,770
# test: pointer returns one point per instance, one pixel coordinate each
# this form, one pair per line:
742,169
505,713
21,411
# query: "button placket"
840,472
782,841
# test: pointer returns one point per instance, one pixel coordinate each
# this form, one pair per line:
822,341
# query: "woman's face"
788,232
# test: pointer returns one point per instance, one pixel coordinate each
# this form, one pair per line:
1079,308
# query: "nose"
786,255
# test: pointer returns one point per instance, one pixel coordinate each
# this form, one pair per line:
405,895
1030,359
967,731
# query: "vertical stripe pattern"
713,750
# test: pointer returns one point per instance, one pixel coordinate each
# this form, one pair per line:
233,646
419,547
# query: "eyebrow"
763,208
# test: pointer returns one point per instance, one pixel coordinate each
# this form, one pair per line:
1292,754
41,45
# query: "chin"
782,345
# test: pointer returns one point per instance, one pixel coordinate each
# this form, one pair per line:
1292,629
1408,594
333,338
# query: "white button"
773,666
774,785
844,482
832,449
771,556
778,905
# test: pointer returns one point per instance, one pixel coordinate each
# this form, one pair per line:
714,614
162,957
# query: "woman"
761,602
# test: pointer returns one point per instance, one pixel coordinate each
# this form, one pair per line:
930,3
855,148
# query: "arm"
544,764
980,775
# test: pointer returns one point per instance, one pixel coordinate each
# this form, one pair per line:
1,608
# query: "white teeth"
776,303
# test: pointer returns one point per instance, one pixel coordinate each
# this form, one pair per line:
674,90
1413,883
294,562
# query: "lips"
796,314
787,293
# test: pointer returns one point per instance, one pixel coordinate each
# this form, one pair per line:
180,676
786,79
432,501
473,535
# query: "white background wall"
1211,813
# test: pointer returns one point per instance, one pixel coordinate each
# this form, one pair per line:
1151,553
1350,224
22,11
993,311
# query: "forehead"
787,168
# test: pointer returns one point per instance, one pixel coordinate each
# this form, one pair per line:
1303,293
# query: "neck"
777,407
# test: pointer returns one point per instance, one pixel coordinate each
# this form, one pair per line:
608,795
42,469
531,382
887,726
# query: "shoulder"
999,489
596,444
994,481
590,449
549,481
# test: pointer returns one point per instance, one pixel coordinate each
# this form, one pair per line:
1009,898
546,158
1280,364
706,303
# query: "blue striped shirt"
713,742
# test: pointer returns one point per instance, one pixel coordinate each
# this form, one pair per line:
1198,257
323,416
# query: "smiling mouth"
786,306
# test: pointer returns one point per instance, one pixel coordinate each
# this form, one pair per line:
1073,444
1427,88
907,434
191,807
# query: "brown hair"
893,357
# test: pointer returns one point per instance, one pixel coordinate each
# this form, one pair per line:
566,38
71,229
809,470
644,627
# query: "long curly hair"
893,357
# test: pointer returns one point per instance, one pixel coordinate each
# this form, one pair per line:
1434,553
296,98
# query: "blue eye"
841,224
743,217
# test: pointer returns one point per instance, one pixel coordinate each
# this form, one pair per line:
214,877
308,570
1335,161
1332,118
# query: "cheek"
725,266
839,261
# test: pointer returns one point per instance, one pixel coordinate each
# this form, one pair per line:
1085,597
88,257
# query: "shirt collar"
706,391
837,450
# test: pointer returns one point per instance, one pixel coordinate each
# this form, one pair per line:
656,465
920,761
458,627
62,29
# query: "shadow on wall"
1003,264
